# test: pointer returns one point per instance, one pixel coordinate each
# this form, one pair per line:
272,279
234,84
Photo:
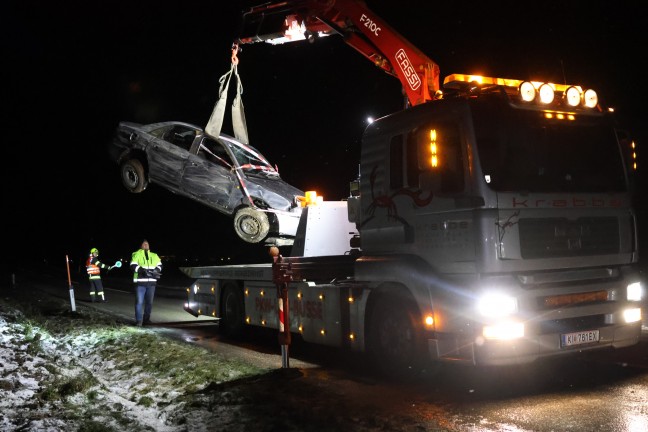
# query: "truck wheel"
394,340
251,225
232,311
133,175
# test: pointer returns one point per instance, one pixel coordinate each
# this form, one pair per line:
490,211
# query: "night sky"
74,69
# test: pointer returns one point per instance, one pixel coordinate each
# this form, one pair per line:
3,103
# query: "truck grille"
559,237
569,325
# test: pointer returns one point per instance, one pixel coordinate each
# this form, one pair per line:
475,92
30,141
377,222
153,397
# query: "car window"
247,156
214,152
182,136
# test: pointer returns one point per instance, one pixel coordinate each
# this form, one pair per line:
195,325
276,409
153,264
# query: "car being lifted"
222,173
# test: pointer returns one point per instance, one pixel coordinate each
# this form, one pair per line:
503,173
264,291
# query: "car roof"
153,126
157,125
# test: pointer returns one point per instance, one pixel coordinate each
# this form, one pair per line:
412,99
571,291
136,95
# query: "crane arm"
295,20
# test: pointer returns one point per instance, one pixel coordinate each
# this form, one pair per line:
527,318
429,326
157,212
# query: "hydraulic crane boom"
294,20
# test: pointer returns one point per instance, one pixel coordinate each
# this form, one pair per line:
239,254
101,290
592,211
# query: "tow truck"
491,223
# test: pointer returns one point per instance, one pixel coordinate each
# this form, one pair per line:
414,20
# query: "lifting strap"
215,123
239,126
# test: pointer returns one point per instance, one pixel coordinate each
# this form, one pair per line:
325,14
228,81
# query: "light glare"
504,331
497,305
632,315
635,291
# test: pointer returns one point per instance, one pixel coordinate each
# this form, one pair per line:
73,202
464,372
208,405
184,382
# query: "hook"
235,49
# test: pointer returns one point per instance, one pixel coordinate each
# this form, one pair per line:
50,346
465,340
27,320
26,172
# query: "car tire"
232,322
251,225
133,175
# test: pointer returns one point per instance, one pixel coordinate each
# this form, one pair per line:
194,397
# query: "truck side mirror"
353,209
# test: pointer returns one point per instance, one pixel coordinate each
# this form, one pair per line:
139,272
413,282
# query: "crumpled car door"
210,183
166,161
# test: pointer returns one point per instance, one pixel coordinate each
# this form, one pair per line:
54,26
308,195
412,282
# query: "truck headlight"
496,305
504,331
635,291
632,315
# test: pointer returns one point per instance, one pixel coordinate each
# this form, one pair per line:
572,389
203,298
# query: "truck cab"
487,195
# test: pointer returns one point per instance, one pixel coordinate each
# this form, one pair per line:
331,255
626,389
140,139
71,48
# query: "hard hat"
94,251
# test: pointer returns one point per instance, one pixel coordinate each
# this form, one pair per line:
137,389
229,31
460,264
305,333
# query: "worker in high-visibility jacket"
93,267
147,269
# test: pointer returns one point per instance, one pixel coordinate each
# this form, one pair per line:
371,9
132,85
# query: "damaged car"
222,173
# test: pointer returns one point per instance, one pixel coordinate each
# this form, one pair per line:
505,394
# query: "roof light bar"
530,91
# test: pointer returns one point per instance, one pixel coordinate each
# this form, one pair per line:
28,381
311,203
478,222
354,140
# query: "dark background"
74,69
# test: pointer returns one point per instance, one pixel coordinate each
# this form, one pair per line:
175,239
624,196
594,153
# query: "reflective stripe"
93,269
136,280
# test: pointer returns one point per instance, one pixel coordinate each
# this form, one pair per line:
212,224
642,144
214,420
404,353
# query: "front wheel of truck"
394,340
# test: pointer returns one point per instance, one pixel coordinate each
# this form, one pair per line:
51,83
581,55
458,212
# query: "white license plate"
579,338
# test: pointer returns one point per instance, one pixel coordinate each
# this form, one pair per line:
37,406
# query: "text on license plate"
579,338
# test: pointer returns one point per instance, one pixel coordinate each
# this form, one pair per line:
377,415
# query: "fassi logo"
406,66
566,202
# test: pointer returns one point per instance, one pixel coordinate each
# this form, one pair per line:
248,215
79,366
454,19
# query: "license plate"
579,338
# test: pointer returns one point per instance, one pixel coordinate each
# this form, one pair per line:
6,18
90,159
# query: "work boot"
139,324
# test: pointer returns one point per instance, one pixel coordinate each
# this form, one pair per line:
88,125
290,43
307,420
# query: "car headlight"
635,291
496,305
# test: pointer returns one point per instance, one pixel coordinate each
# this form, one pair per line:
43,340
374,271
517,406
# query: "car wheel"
133,175
232,322
251,225
394,341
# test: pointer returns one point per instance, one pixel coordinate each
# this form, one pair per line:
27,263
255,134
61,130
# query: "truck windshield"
522,150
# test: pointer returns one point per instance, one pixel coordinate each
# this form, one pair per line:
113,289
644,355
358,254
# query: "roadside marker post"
72,303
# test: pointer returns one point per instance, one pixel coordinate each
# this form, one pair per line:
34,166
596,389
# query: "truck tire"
394,340
133,175
232,322
251,225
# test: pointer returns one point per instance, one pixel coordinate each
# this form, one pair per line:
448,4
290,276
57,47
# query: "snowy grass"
86,371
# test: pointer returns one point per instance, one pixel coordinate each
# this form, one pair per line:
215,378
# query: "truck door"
209,175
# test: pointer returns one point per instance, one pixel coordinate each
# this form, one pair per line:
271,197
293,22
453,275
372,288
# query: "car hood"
276,193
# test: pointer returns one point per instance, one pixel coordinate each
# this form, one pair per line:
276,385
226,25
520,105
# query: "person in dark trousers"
147,269
93,267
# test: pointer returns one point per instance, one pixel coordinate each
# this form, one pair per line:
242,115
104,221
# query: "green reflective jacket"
139,260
